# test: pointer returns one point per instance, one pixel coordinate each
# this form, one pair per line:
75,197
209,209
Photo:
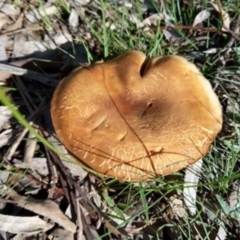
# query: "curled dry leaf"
225,17
154,19
171,34
201,16
14,224
136,21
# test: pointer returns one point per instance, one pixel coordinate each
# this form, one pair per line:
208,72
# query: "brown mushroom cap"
134,118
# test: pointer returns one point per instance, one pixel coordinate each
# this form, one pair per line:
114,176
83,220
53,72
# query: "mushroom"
135,118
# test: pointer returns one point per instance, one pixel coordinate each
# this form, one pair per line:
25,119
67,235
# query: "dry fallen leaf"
18,24
171,35
222,233
201,16
5,115
3,20
177,207
39,164
61,234
14,224
73,20
18,50
74,168
10,10
46,208
5,136
36,15
3,179
3,53
225,17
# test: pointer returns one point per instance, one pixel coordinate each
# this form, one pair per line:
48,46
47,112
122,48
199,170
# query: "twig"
21,30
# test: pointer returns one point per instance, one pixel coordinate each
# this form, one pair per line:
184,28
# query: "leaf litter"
62,197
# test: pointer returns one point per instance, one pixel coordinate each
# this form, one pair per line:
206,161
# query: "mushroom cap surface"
135,118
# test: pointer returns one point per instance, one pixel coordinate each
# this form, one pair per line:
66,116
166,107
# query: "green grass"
148,203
